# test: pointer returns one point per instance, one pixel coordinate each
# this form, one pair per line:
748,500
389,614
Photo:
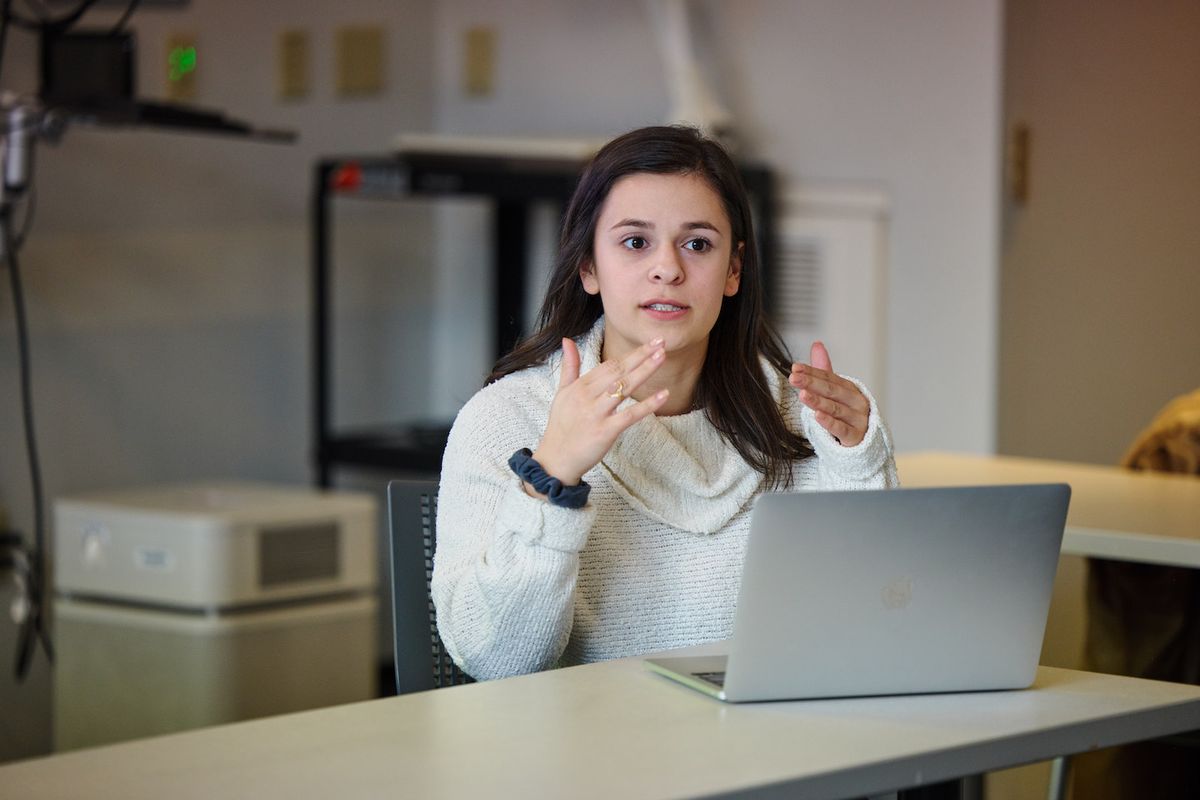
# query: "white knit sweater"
652,562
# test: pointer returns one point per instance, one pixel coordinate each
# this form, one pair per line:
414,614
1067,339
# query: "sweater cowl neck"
676,470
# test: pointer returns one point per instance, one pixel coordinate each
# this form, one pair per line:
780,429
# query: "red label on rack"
347,178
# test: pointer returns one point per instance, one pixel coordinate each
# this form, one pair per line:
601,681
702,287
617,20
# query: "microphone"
21,123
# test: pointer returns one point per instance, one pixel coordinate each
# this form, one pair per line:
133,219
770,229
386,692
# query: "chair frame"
422,661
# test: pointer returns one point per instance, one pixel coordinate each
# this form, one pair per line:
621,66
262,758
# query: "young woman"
595,496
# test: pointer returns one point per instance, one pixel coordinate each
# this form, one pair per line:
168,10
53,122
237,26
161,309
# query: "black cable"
67,20
29,564
129,9
25,22
5,9
38,8
30,208
59,25
34,626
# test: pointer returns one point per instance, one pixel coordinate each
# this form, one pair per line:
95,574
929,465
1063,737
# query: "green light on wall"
181,62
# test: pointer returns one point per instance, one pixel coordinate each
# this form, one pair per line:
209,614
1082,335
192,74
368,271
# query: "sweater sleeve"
867,465
506,564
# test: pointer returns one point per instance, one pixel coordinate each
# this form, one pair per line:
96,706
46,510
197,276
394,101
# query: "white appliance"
183,606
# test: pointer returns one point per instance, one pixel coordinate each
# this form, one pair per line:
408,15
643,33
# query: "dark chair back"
421,659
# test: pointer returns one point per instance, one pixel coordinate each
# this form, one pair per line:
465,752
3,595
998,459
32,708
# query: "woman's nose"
666,268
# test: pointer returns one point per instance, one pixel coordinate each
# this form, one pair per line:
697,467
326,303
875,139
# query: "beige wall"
1100,271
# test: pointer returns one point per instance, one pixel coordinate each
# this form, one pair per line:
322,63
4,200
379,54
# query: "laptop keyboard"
717,678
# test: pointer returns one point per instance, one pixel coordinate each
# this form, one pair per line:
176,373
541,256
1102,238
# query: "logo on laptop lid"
898,594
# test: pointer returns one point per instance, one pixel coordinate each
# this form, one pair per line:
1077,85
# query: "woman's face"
664,260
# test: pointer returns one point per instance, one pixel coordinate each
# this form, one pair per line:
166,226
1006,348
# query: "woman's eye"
635,242
699,245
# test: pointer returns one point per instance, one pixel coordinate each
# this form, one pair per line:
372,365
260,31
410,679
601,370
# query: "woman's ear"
587,275
734,279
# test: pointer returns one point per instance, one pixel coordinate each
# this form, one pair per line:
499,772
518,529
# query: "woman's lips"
664,310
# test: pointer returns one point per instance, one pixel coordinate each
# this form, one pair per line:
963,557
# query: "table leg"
1060,770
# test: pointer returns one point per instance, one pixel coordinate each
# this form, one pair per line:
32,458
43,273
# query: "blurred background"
1016,183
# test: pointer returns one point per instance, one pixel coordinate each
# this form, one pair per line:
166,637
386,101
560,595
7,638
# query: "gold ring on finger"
619,394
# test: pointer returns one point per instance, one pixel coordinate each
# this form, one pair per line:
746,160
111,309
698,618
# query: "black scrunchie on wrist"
530,471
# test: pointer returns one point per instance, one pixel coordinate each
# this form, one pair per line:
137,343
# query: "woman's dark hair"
732,389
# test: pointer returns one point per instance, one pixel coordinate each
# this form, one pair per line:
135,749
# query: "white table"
614,730
1115,513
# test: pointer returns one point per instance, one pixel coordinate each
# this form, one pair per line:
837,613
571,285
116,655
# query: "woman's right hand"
584,421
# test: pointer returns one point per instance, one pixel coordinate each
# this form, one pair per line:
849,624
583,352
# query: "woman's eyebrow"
633,223
641,223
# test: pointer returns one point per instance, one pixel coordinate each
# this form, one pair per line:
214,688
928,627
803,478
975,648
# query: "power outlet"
360,61
294,60
479,61
182,61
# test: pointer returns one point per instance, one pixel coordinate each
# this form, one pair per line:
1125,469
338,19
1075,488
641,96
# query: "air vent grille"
298,553
798,304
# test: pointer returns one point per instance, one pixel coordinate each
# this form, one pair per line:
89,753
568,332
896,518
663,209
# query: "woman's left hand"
840,407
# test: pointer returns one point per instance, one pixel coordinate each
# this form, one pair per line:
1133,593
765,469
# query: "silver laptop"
895,591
